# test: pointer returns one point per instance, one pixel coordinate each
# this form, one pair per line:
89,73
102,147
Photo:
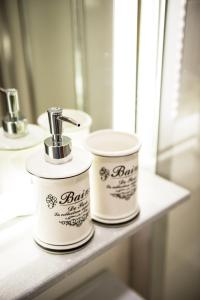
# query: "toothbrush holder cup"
113,175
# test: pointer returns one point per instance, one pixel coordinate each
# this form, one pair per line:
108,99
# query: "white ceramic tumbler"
113,177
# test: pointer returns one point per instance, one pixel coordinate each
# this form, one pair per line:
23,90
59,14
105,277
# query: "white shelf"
26,270
104,286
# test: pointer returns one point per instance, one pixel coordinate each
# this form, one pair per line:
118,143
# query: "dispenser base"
62,249
113,221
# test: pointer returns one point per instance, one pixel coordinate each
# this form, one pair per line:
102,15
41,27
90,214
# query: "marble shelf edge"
34,270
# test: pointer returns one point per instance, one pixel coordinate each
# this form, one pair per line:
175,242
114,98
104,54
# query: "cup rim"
107,153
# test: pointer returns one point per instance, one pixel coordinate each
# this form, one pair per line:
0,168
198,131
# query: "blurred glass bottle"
17,140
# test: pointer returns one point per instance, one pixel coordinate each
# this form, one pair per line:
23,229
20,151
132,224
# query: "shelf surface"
26,270
103,286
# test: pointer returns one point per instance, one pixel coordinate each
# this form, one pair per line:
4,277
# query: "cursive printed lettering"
121,171
117,172
71,197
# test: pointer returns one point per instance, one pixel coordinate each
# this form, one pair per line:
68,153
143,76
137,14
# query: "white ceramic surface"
113,176
38,166
34,137
108,142
62,220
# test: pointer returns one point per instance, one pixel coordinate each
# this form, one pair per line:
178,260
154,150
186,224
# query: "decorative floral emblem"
104,173
51,201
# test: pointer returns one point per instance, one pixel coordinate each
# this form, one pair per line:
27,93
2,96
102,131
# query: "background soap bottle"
17,141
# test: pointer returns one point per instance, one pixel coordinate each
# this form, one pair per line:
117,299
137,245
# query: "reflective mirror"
58,53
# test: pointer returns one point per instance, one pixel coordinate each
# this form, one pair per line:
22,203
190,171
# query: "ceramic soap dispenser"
60,175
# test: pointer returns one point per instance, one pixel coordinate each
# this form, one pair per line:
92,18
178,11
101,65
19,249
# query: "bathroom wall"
181,164
12,58
48,25
99,51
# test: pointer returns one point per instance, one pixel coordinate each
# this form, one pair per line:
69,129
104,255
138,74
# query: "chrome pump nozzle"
58,146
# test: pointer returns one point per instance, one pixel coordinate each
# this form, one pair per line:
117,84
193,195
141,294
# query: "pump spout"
55,123
57,147
69,120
